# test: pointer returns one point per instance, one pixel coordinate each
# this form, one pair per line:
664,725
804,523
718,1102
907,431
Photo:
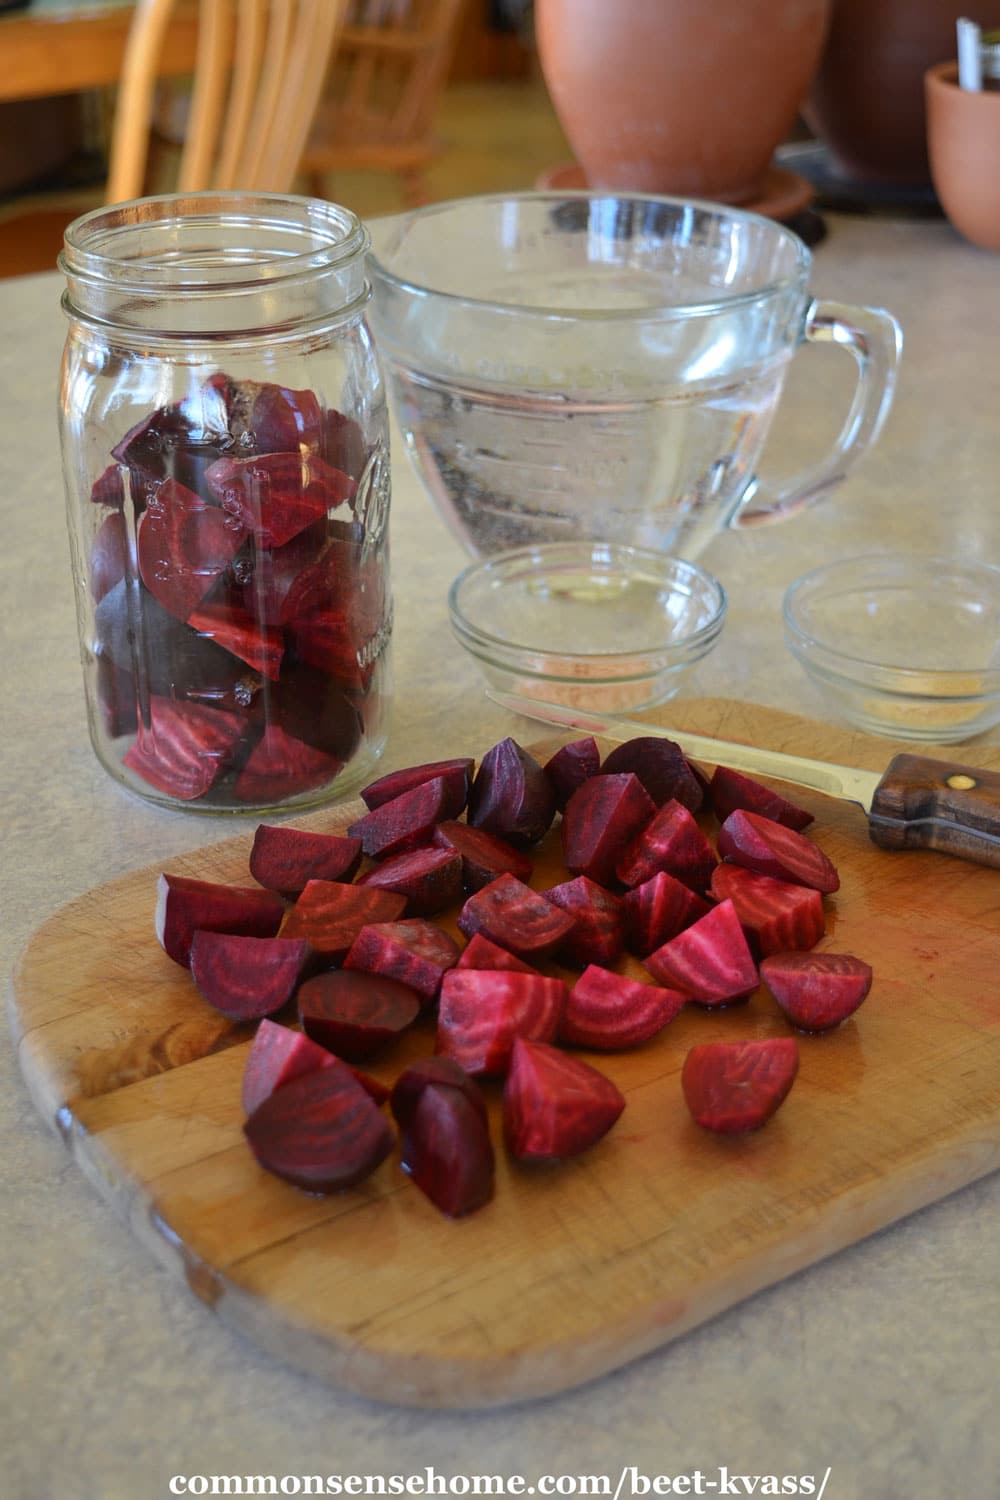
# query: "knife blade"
916,803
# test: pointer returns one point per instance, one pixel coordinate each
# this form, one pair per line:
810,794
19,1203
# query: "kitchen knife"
916,803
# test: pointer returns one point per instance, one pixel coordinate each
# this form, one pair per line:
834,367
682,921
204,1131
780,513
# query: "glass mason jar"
226,452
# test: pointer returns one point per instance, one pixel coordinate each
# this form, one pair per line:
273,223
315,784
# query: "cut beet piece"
447,1151
246,977
604,816
481,952
442,1071
517,918
277,495
356,1015
482,1011
430,879
183,546
185,747
283,420
599,934
775,914
329,915
407,821
610,1012
731,1087
107,487
555,1106
660,766
710,961
671,841
657,911
484,855
395,783
311,707
570,767
277,1056
512,796
237,632
769,848
185,906
729,790
321,1132
817,991
107,555
175,443
279,766
331,641
416,953
285,859
343,443
266,576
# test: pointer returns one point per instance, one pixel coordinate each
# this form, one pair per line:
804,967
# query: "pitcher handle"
875,339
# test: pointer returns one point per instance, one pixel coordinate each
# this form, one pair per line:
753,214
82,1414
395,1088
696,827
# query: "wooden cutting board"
573,1270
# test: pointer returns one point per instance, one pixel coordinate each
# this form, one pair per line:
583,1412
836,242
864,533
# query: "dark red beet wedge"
817,991
555,1106
657,911
482,953
185,747
512,796
183,546
239,633
775,914
441,1071
185,906
430,879
482,1011
247,977
356,1015
517,918
731,1087
333,643
395,783
279,766
729,790
285,859
710,961
599,934
310,707
447,1151
484,855
603,817
660,766
408,820
329,915
277,495
320,1132
416,953
283,420
277,1056
570,767
673,842
768,848
608,1012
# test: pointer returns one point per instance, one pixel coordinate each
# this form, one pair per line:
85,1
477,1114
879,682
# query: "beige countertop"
881,1362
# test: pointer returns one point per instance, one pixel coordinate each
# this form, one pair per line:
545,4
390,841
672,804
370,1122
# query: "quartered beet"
671,841
442,1071
285,859
769,848
415,952
355,1014
408,820
511,796
321,1132
185,906
310,707
174,443
279,766
240,634
516,917
570,767
283,421
480,952
277,1056
602,818
276,495
329,915
657,911
267,576
599,934
183,546
430,879
775,914
709,961
660,766
729,790
555,1106
332,641
131,628
731,1087
482,1011
609,1012
343,443
185,747
817,991
247,977
447,1151
484,855
395,783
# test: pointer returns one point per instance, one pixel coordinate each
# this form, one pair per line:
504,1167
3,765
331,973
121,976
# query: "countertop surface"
880,1364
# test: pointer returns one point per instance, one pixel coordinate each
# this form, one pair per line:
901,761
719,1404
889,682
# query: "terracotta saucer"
783,193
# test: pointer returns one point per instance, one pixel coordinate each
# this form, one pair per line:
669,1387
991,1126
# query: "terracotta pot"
867,100
688,97
963,138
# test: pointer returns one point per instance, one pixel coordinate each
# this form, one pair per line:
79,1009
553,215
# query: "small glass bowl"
902,646
587,624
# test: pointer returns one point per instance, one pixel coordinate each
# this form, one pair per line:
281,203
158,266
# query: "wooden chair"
259,75
378,112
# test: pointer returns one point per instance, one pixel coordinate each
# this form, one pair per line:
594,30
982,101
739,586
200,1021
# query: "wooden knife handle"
936,804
